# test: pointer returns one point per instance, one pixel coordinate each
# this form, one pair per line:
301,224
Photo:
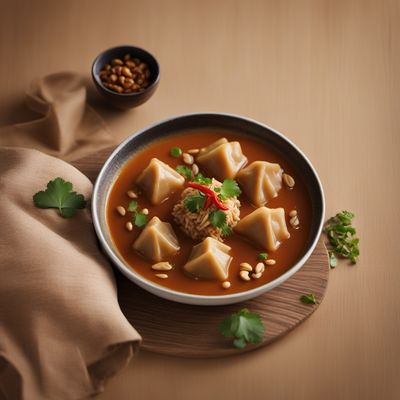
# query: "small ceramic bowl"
126,100
185,123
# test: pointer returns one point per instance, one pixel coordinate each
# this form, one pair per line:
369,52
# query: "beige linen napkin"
62,333
69,128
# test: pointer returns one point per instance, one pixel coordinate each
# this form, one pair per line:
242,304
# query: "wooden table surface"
326,74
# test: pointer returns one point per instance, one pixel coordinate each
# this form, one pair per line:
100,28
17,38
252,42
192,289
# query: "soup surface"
241,250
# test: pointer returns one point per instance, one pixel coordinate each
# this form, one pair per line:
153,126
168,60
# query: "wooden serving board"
192,331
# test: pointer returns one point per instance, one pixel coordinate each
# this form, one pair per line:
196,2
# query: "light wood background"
325,73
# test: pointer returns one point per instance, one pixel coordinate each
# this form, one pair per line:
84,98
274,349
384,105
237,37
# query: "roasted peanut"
125,75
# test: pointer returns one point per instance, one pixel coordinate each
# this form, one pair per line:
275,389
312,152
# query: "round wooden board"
192,331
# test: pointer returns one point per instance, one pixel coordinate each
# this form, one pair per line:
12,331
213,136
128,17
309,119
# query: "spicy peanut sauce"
241,250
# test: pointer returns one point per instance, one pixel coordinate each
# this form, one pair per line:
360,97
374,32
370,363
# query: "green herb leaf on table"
244,326
308,299
195,203
140,219
133,206
200,178
185,171
229,188
175,152
218,219
342,237
263,256
332,259
59,195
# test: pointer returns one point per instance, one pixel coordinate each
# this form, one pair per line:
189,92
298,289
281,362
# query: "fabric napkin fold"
68,127
62,333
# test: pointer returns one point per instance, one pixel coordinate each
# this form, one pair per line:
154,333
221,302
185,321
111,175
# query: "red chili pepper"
211,196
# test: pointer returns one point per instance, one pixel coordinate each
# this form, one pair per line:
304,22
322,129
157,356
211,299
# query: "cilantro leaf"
175,152
195,203
132,206
59,195
244,326
185,171
263,256
218,219
226,229
229,188
308,299
140,219
342,239
200,178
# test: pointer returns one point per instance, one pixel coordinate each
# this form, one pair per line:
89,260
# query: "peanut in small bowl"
126,76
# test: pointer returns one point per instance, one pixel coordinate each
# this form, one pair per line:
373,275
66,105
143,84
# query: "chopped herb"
229,188
140,219
218,219
185,171
195,203
132,206
342,237
199,178
175,152
244,326
263,256
332,259
308,299
226,230
59,195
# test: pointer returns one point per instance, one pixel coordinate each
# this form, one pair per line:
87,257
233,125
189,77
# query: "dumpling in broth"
260,181
157,241
210,259
265,227
222,159
158,181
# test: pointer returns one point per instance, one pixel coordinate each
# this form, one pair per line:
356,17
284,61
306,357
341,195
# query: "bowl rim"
189,298
96,77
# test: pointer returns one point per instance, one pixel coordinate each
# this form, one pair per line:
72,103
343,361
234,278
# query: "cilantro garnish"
244,326
342,238
185,171
59,195
308,299
200,178
195,203
218,219
139,219
263,256
229,188
132,206
175,152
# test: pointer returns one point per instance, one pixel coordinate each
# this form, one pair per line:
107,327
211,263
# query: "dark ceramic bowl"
126,100
187,123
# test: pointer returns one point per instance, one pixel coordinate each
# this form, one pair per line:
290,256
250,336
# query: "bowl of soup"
208,208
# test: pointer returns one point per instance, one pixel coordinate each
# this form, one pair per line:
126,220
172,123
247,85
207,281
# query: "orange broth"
242,251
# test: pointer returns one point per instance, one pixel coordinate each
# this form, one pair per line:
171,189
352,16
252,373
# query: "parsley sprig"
59,194
342,238
244,326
